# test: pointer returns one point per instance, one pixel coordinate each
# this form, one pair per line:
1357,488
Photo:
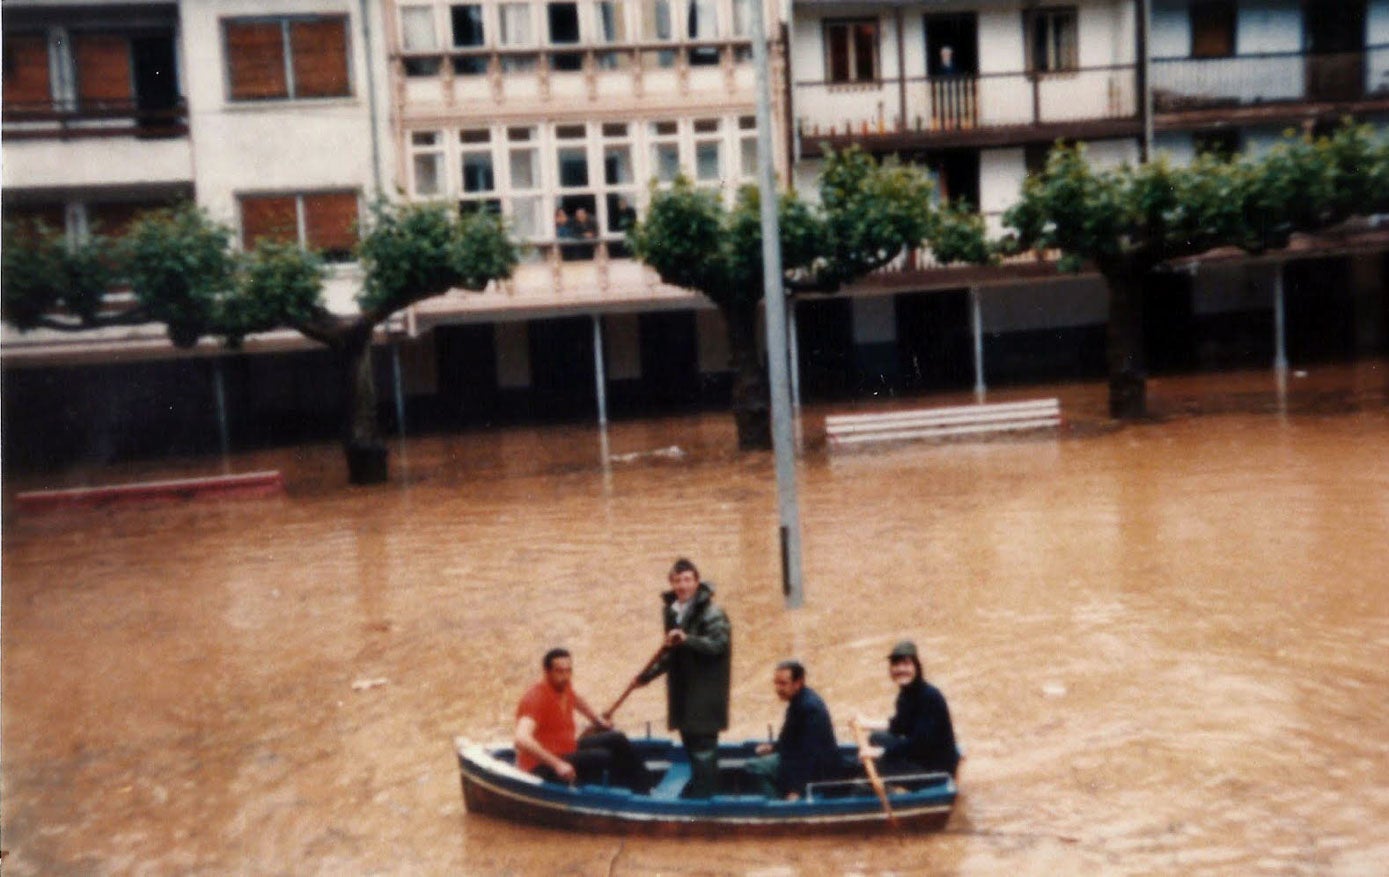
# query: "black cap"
905,649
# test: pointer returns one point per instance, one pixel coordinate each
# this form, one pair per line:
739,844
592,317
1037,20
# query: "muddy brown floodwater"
1166,646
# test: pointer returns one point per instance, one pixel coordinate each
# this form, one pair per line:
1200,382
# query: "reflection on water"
1165,645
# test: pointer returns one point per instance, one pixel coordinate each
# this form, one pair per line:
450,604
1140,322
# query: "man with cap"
697,665
919,737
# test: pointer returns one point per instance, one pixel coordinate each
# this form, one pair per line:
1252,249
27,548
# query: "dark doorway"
825,342
156,79
562,367
952,67
669,358
959,33
934,342
1336,49
467,363
1319,309
1169,332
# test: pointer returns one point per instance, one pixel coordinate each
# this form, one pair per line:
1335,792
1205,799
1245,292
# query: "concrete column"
1280,333
976,326
600,379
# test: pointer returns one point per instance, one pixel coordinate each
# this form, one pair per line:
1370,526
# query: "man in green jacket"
697,661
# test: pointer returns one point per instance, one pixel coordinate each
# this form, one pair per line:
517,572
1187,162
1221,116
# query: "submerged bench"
847,429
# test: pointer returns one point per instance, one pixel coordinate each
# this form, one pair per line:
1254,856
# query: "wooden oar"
632,686
874,780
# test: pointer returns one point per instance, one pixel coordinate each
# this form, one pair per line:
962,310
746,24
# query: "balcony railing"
92,119
1183,84
972,102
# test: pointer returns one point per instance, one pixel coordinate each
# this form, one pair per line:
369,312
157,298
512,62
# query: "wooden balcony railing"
965,102
67,121
1184,84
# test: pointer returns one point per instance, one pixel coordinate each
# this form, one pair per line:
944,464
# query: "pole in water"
783,434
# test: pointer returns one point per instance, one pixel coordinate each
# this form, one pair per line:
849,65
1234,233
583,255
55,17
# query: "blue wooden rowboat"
493,785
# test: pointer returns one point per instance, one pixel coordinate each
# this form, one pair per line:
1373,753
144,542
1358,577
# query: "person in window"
805,751
547,746
947,61
585,229
919,737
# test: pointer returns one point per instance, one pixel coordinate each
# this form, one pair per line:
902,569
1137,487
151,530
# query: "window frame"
1050,17
849,26
302,223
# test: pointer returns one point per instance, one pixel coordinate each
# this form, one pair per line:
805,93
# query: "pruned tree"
181,271
1129,221
867,214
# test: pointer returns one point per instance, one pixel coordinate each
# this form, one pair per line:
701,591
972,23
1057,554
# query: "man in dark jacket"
919,737
697,661
805,751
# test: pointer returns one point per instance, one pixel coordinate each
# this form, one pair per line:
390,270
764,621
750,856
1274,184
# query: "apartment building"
285,119
977,92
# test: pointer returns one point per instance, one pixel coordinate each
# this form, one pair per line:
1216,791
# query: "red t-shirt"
553,713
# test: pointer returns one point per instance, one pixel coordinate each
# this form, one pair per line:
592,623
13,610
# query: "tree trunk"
751,392
367,459
1128,388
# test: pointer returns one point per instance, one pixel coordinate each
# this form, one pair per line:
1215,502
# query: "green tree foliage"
1128,221
182,271
867,215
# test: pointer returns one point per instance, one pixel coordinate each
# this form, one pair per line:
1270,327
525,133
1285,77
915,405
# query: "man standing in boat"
919,738
697,661
805,751
546,743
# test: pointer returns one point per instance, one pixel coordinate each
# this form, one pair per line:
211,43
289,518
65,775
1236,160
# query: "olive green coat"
698,670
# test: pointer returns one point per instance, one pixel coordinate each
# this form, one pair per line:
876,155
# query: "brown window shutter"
319,48
330,221
256,59
26,72
103,69
268,216
1213,30
114,219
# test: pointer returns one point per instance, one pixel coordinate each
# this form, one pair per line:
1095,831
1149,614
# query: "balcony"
1273,87
79,119
989,109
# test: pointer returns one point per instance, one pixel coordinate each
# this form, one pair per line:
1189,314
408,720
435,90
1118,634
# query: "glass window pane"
467,25
429,174
707,161
477,172
525,169
525,216
665,160
748,157
573,167
516,24
703,20
617,165
656,20
742,17
564,23
612,25
417,28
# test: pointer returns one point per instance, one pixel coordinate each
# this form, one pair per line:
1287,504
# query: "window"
851,50
428,162
523,168
1223,144
703,25
468,34
665,151
708,151
26,72
1052,42
612,29
325,221
564,31
747,147
476,151
283,58
417,35
1213,29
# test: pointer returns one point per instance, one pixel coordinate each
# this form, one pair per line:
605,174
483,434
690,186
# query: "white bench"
847,429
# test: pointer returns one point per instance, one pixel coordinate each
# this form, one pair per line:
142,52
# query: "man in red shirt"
546,743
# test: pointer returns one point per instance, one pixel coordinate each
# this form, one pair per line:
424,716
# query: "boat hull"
492,786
